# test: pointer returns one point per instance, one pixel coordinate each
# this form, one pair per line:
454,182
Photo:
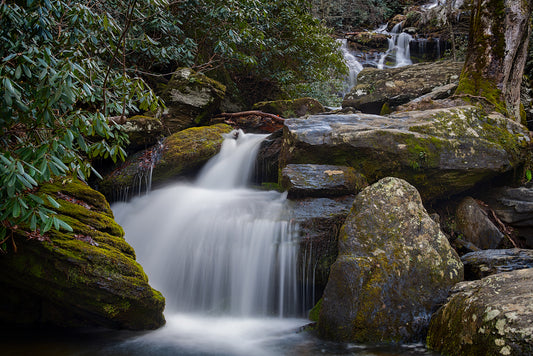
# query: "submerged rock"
484,263
394,267
441,151
191,98
475,226
491,316
85,278
291,108
396,86
314,180
182,153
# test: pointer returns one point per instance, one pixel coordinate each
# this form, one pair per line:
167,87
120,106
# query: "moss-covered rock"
291,108
441,151
181,153
397,86
491,316
394,267
191,99
88,277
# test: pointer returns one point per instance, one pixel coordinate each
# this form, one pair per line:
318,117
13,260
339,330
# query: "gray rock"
191,98
312,180
491,316
319,221
396,86
484,263
394,267
441,151
475,226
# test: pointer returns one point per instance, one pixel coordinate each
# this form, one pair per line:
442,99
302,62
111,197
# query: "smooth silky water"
225,258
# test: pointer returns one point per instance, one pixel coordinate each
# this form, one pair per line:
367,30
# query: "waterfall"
354,67
216,247
398,46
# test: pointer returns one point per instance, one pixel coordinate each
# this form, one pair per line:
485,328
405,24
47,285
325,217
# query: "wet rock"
475,226
441,151
394,267
396,86
487,262
313,180
291,108
514,206
182,153
143,132
88,277
368,41
426,102
267,163
191,99
319,221
491,316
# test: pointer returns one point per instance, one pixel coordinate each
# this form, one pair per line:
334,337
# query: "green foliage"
62,75
261,48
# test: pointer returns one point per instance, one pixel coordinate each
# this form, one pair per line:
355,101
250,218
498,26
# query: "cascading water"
398,47
222,254
354,67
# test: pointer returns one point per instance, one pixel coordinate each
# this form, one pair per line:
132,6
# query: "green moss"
385,109
315,311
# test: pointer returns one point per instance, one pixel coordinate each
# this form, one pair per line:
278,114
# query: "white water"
354,67
398,48
222,254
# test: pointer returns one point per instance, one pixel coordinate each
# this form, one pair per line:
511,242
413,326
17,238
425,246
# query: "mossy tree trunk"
497,51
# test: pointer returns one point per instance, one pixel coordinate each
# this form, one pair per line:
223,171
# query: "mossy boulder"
182,153
491,316
291,108
191,99
396,86
143,131
394,267
88,277
441,151
320,180
368,41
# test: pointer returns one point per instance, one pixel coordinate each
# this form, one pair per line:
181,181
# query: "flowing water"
398,49
225,258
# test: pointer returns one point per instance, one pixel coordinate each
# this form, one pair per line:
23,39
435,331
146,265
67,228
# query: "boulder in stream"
396,86
88,277
394,267
491,316
291,108
441,151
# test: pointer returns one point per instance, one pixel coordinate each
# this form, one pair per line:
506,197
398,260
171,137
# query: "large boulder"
394,267
143,132
191,99
396,86
491,316
88,277
182,153
440,151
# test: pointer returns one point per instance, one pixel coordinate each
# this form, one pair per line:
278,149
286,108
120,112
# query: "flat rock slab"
491,316
484,263
441,151
318,180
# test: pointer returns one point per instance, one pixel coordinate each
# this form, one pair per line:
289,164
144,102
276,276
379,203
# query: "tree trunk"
497,51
